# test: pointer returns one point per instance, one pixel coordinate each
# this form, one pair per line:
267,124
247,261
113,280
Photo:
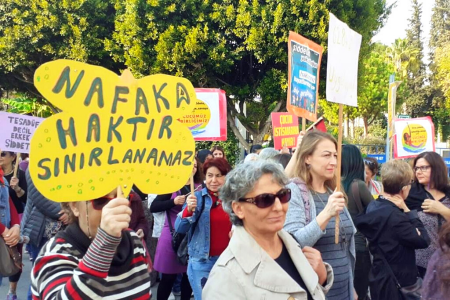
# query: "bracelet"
16,225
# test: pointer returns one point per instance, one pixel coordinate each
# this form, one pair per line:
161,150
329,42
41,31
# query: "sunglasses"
267,200
3,154
368,162
99,203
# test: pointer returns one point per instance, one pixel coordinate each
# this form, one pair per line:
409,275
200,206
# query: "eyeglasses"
3,154
368,162
266,200
422,168
99,203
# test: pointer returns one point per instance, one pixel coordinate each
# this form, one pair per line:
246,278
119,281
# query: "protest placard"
342,80
16,131
285,130
304,61
212,103
413,136
342,65
112,131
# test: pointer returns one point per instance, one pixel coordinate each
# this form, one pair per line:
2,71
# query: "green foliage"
230,146
26,106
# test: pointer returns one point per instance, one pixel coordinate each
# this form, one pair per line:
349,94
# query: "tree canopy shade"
239,46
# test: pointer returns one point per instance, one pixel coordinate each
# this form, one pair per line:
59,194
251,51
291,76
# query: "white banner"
342,68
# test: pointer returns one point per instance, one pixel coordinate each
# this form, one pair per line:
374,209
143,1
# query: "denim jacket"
5,214
198,248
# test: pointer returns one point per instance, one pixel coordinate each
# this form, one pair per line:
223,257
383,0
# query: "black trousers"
362,269
166,284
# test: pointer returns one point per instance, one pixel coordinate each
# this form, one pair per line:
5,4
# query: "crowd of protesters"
263,230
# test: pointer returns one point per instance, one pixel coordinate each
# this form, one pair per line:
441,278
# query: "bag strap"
357,196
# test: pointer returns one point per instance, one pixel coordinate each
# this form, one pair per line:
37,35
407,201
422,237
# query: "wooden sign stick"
338,176
119,191
16,167
303,124
192,188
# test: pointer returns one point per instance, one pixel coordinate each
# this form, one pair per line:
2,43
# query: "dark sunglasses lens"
3,154
284,195
264,200
99,203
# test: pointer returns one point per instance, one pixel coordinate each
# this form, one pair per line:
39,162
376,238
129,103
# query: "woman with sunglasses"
166,262
371,168
207,224
430,196
262,260
314,206
394,233
95,257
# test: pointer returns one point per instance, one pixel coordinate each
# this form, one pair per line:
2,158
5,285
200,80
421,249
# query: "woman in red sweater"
207,224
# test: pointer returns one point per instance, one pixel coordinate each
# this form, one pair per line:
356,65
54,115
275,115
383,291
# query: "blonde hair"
396,174
307,148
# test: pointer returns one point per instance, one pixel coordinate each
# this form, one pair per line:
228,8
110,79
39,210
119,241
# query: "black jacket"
389,228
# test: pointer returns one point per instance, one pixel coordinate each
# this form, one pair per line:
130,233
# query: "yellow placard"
113,130
198,119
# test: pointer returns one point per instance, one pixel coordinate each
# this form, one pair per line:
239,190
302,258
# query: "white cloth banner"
342,68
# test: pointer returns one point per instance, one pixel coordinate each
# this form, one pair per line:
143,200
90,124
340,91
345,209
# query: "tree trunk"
236,132
366,127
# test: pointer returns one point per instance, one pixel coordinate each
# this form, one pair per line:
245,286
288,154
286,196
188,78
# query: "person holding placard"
430,196
207,224
95,257
314,206
166,262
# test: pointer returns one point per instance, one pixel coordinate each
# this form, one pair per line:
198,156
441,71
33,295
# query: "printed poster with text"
304,68
342,64
208,121
16,131
413,136
285,130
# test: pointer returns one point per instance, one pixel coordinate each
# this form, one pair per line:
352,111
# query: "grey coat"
37,210
307,234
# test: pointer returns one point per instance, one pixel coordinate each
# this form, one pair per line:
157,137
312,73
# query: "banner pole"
338,170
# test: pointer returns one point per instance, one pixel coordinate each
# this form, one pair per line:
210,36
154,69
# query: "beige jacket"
246,271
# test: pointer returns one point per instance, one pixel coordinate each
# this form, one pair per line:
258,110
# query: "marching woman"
313,208
166,262
95,257
430,196
207,224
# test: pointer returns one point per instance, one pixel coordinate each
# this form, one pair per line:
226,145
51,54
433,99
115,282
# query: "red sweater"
220,226
14,217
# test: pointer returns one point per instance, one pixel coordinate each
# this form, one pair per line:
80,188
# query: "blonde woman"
314,206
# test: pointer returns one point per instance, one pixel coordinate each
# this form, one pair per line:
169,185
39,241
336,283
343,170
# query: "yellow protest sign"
113,130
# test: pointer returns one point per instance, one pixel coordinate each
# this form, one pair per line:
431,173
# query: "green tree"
239,46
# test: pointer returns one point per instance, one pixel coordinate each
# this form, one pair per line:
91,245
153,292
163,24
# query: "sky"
397,22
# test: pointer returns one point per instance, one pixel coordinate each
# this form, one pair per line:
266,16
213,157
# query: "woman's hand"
315,260
179,200
335,204
12,235
192,202
15,184
433,206
116,216
64,217
299,139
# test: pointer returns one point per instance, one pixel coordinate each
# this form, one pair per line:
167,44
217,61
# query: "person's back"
392,234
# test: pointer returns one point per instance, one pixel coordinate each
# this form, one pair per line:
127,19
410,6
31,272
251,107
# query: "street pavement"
24,283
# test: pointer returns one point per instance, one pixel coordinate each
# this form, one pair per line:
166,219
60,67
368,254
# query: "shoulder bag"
10,259
180,241
412,292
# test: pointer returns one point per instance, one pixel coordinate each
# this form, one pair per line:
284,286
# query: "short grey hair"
268,153
241,181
